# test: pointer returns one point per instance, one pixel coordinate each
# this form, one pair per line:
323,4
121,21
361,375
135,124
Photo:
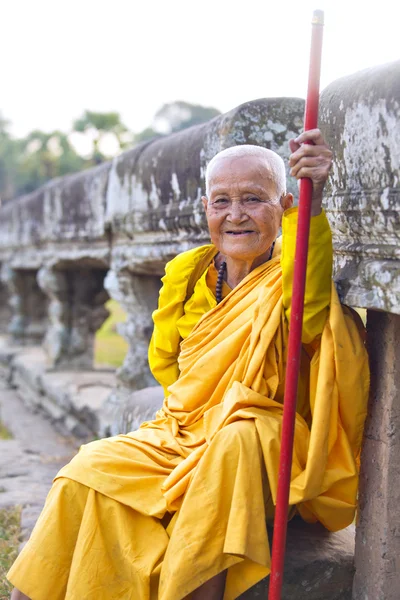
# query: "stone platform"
72,400
30,459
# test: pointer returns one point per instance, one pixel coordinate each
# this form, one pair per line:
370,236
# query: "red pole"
296,324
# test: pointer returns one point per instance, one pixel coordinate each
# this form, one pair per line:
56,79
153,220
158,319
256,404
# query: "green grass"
363,314
109,347
9,541
4,433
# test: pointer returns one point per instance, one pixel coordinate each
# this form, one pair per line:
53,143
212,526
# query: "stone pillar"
28,305
5,310
138,295
76,311
377,557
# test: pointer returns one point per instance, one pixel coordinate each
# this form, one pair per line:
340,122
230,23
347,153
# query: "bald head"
273,162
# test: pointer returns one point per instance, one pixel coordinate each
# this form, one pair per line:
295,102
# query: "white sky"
59,58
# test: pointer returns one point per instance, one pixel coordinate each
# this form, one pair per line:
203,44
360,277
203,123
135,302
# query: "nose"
236,214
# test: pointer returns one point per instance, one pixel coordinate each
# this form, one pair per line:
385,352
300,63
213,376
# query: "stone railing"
108,232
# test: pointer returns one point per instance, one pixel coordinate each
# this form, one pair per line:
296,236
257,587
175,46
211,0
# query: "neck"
237,270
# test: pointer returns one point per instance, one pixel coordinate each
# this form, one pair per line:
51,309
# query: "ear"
204,200
287,201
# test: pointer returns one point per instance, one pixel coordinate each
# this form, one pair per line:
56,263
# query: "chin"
238,253
241,250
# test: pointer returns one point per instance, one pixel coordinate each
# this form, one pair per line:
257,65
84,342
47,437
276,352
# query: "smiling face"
243,207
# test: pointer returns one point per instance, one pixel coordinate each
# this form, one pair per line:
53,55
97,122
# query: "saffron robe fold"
209,460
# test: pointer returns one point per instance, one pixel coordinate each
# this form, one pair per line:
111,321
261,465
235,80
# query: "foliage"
9,152
110,348
179,115
4,433
100,124
9,540
28,163
147,134
44,156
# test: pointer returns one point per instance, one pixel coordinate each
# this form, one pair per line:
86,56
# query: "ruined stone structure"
108,232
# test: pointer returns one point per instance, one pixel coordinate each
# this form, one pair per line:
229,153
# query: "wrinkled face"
243,209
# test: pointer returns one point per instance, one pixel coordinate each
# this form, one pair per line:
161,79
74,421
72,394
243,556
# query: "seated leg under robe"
88,545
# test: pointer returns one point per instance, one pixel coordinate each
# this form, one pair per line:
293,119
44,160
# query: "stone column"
76,311
125,410
5,310
28,305
377,557
138,295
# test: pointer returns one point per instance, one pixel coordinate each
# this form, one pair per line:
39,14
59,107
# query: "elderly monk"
178,509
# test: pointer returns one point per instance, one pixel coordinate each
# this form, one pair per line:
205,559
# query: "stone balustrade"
108,232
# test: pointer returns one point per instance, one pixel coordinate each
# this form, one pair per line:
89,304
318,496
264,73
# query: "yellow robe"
155,513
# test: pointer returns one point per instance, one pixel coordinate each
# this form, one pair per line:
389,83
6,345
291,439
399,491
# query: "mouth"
240,233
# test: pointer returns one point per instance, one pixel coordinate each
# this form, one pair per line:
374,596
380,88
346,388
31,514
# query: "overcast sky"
59,58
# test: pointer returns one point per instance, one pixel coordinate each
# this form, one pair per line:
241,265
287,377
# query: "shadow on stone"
319,565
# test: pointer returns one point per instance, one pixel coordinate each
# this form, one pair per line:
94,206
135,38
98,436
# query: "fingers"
293,146
310,160
324,156
312,135
311,151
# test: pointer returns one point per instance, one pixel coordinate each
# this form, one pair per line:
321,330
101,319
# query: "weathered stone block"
69,208
378,530
76,297
126,413
27,303
318,565
360,116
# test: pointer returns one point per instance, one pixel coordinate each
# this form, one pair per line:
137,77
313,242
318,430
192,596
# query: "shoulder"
182,265
181,274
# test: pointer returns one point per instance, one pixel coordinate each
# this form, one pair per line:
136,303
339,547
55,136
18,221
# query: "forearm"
319,272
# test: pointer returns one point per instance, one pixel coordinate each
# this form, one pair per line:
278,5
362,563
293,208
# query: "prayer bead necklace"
221,275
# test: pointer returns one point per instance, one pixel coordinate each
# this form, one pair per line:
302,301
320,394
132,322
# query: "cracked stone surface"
30,460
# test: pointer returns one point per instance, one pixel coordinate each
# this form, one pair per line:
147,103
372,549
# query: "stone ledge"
72,400
319,565
125,410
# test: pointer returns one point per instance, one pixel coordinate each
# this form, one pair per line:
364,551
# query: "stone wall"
360,116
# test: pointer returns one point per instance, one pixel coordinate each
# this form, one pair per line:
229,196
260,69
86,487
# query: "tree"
179,115
176,116
99,124
44,156
8,162
26,164
147,134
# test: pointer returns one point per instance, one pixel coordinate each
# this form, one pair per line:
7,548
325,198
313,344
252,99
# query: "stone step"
319,565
